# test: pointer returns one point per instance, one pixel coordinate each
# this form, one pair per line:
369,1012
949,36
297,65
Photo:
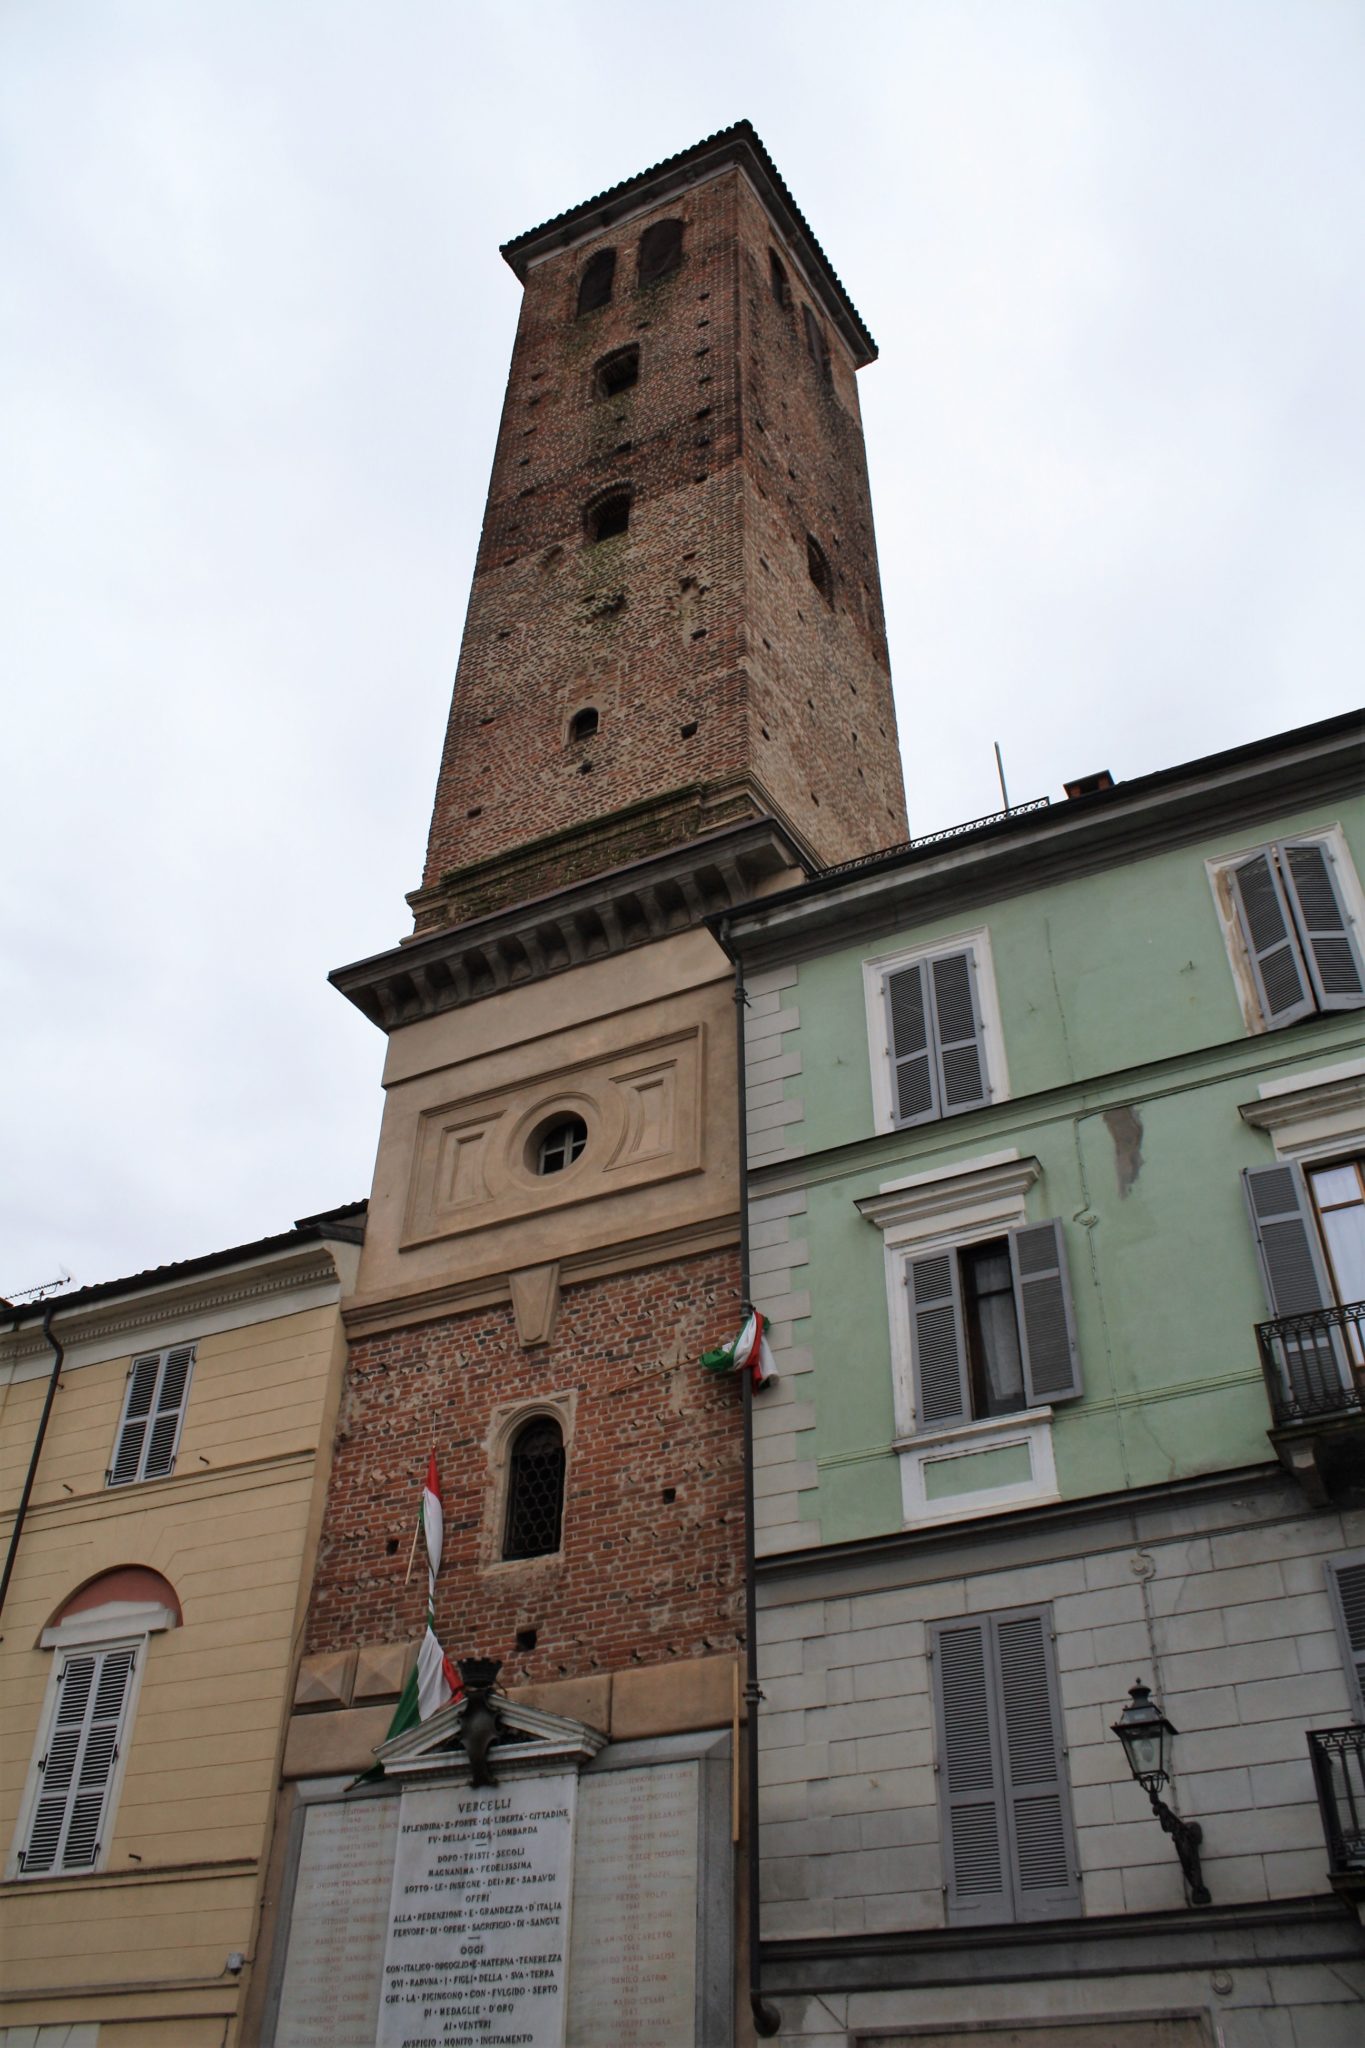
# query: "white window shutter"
957,1030
1346,1590
153,1412
1329,945
914,1074
1282,986
1042,1299
164,1436
132,1430
938,1341
78,1768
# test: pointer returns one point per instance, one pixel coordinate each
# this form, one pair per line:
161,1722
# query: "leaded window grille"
535,1489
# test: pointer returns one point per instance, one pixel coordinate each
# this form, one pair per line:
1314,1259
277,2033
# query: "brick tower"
672,695
684,376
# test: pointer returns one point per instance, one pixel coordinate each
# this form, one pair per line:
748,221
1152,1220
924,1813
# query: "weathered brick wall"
698,635
640,1578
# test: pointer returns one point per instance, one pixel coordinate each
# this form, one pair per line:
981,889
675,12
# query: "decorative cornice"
372,1318
1344,1096
140,1315
938,1198
593,920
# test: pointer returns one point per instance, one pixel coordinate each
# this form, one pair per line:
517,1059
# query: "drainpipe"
767,2019
18,1530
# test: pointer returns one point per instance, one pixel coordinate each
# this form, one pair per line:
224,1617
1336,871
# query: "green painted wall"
1115,992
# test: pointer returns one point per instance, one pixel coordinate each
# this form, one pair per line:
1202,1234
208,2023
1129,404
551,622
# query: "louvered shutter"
1346,1589
137,1408
1282,984
1037,1803
169,1412
153,1410
914,1075
957,1031
1329,945
1312,1361
971,1793
1042,1299
938,1342
76,1773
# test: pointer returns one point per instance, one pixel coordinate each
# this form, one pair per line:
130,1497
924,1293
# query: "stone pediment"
529,1742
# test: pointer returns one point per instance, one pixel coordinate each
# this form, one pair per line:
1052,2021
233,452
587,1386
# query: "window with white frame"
934,1032
983,1343
67,1811
1291,910
991,1327
153,1412
1346,1591
1308,1220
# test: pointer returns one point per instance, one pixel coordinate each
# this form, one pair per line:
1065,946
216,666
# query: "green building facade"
1044,1119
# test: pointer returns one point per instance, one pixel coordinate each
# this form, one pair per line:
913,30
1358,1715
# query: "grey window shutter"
1311,1360
938,1341
1042,1298
132,1430
957,1029
169,1412
971,1793
1282,985
1329,944
1038,1805
78,1768
1346,1590
914,1076
153,1410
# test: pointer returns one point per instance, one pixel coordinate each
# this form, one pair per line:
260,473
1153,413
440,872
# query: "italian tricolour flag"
434,1680
750,1347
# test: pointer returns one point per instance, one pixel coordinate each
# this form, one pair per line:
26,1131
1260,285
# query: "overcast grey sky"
252,347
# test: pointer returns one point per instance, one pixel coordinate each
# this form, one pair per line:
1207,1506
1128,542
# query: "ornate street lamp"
1146,1734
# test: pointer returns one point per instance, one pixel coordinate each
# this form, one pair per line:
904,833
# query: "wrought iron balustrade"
1338,1756
1314,1363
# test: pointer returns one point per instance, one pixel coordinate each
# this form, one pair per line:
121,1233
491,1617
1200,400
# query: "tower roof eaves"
738,144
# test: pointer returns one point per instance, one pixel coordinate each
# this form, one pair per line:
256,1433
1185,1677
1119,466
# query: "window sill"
977,1468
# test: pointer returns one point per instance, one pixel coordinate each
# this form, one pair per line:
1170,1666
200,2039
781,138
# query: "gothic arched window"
535,1489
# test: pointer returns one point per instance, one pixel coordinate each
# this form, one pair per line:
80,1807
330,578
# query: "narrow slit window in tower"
660,250
583,724
816,343
817,562
535,1490
777,278
594,287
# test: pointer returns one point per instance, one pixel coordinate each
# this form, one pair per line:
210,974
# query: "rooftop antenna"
38,1293
1000,771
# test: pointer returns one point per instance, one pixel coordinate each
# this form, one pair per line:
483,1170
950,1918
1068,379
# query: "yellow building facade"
151,1628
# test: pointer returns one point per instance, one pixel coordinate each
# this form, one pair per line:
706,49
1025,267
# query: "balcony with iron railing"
1314,1367
1338,1756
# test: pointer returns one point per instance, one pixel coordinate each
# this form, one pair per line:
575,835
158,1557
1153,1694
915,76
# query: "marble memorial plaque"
633,1955
339,1926
479,1916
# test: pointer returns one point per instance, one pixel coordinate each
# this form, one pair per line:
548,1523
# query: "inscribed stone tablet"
633,1958
479,1916
339,1926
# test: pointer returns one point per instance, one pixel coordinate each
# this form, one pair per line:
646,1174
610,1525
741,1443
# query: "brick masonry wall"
698,636
640,1579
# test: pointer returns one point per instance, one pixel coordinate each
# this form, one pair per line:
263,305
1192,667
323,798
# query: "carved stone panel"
475,1161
